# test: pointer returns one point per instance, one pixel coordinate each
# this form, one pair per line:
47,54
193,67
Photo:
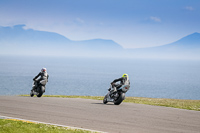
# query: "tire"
31,94
119,99
105,99
40,92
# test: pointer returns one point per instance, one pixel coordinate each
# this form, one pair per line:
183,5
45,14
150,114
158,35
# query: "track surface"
92,114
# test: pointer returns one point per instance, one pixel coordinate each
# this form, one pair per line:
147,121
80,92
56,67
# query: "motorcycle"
38,89
116,97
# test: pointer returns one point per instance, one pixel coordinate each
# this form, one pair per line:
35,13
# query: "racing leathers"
42,80
123,81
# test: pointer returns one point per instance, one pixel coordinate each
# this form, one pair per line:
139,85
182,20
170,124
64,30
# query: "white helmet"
43,69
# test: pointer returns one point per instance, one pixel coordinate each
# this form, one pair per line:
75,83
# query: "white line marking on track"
70,127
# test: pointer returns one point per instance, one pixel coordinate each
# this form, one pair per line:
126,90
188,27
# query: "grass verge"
18,126
175,103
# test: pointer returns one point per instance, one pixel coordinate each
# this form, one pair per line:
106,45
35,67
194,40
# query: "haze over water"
177,79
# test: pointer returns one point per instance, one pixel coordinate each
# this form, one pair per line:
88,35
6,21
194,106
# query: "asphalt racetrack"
94,115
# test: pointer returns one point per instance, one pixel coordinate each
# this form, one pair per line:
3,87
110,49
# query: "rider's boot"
33,88
112,92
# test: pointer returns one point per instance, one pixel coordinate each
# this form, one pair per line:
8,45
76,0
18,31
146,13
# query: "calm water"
84,76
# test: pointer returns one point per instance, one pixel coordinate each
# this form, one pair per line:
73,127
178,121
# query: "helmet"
43,69
125,75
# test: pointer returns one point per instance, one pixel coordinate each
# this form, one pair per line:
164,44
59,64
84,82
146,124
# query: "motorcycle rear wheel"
40,94
40,91
119,99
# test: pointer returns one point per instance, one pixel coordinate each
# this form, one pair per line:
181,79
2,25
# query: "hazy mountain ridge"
19,35
187,47
190,41
20,41
98,44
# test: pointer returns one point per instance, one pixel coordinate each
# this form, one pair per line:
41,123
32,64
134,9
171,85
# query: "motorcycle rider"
124,80
43,78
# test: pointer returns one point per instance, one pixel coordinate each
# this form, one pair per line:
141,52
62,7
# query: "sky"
130,23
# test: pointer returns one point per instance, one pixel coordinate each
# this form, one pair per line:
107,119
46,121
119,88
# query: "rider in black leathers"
43,78
123,80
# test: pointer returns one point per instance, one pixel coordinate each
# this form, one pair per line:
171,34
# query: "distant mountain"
191,41
98,44
18,35
17,40
186,48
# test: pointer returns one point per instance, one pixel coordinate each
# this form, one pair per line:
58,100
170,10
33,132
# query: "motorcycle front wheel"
105,99
31,94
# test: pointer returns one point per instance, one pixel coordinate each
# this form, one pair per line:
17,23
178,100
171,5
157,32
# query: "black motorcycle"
38,88
116,97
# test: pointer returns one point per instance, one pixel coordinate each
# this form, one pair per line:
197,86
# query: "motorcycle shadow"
103,103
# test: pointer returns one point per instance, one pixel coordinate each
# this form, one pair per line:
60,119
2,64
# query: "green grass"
175,103
15,126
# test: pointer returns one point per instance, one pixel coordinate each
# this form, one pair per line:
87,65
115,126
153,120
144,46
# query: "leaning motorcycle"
118,96
39,89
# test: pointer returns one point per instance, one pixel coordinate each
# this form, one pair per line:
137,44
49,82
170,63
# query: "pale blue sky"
131,23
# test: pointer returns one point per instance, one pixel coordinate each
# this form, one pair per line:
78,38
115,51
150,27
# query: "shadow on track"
103,103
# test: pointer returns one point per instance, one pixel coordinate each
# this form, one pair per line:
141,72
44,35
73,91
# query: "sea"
152,78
